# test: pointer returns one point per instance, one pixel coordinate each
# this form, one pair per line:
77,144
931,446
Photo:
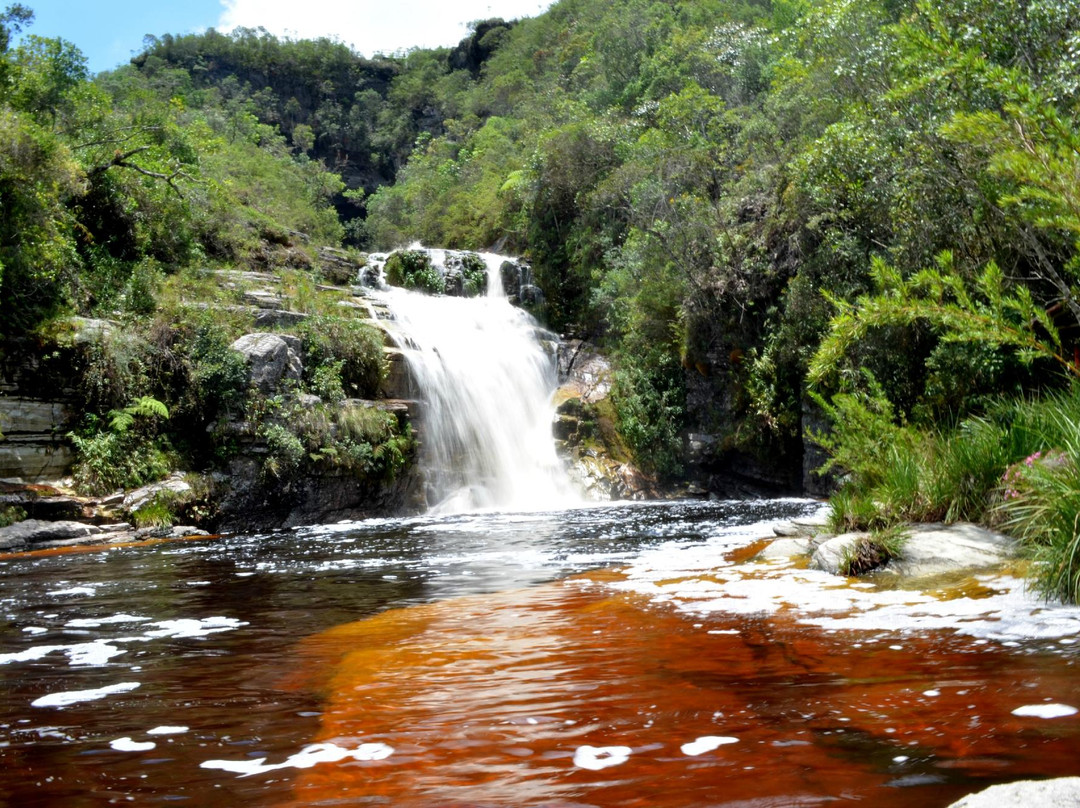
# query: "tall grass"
1016,467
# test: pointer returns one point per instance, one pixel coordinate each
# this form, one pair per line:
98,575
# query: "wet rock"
31,532
927,550
787,548
271,358
829,555
1063,792
934,549
168,532
584,371
175,486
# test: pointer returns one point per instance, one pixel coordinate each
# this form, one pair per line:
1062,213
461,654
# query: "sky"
110,32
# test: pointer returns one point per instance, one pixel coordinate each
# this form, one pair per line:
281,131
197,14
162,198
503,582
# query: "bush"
650,401
355,347
412,269
107,461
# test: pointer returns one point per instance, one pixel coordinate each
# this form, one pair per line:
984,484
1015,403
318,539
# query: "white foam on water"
705,744
35,630
304,759
97,622
99,652
167,730
30,654
77,696
75,590
128,745
595,758
699,580
92,653
1045,711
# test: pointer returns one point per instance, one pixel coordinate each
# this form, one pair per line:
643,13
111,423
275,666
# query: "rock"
271,359
811,525
175,485
785,530
88,330
928,550
584,372
338,266
1063,792
787,548
31,449
36,531
166,532
830,553
276,318
936,549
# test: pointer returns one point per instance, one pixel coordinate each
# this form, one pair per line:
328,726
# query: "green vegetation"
762,211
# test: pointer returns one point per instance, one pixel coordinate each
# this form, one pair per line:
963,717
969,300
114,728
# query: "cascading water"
485,373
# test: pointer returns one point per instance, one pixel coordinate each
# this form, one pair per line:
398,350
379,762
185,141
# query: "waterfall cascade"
484,372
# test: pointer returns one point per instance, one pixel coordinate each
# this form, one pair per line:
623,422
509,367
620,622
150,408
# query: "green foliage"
871,552
649,401
360,440
986,315
107,460
413,269
160,511
354,350
326,381
121,421
10,514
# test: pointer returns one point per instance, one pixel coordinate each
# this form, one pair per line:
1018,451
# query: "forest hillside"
824,242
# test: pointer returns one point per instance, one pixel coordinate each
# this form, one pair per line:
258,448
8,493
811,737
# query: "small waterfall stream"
485,373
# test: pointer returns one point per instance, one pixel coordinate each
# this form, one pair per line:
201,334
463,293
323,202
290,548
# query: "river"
617,655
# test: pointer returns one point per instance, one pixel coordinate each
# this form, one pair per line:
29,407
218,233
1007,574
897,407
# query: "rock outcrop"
1063,792
927,550
272,359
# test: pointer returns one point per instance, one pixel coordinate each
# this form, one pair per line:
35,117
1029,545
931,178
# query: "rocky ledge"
924,550
1063,792
38,534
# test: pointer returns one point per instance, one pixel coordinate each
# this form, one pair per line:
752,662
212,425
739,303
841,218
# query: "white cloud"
373,26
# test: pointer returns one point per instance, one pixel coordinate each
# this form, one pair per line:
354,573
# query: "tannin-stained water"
615,656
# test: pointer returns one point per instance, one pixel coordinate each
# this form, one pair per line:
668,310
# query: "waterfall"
484,373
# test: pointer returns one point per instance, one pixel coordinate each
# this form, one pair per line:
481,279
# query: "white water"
485,373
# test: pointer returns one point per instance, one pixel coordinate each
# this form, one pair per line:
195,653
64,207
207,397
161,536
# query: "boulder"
936,549
583,371
787,548
932,549
830,553
1063,792
36,531
272,358
175,485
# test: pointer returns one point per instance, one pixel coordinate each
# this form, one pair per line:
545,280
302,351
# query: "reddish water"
492,699
485,701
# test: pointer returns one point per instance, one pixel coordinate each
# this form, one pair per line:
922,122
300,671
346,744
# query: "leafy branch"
940,298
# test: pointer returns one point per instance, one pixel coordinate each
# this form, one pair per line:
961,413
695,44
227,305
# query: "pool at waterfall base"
612,656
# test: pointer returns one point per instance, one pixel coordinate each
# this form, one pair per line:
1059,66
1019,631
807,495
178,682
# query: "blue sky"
109,32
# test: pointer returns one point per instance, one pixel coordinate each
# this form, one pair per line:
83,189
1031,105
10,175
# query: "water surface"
617,655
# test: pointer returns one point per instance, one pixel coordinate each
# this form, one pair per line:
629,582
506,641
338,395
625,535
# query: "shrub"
412,269
106,461
355,345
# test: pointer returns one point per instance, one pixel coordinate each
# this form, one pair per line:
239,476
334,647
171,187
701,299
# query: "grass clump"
1016,467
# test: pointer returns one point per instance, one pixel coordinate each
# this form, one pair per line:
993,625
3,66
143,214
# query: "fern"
121,421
